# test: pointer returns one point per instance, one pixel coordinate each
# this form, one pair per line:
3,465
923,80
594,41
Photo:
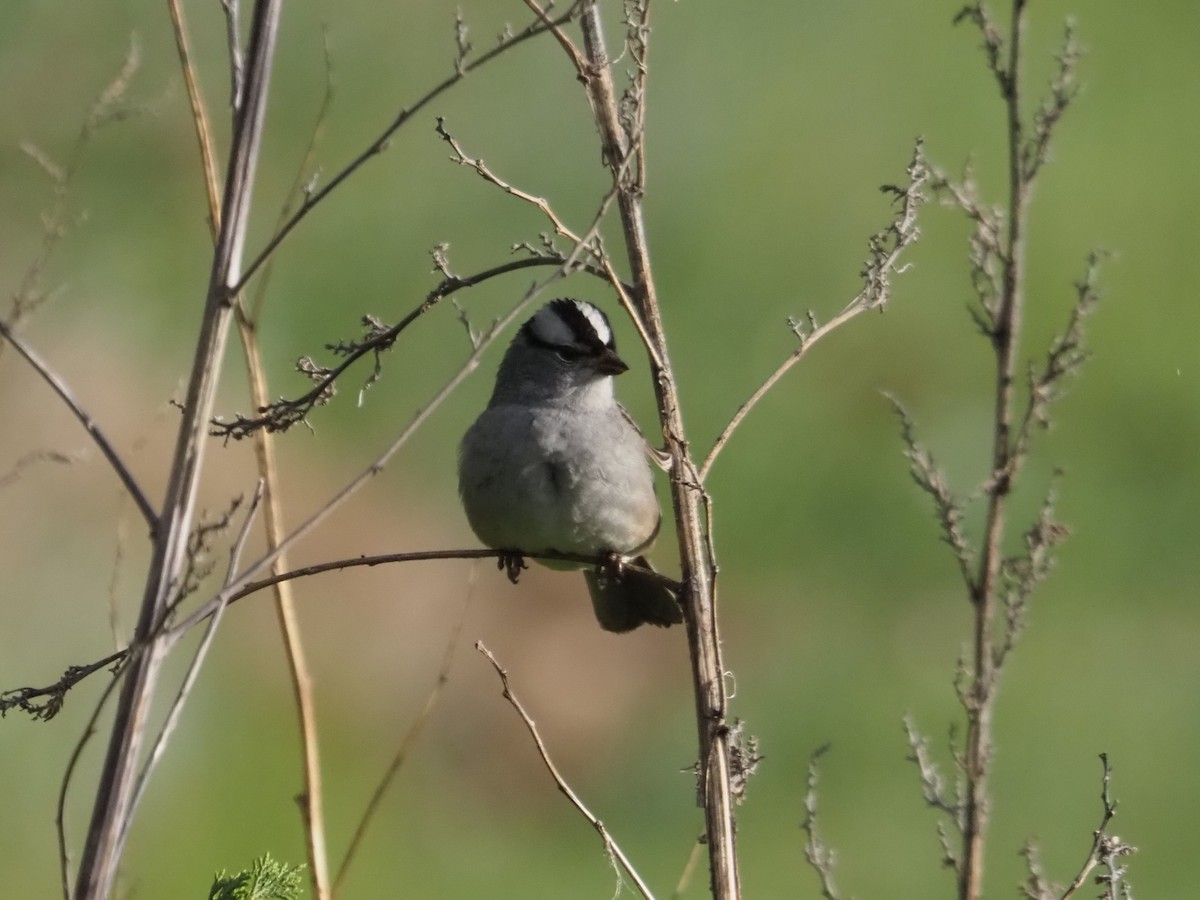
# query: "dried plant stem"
610,846
311,797
1005,334
193,671
114,794
697,564
410,737
60,816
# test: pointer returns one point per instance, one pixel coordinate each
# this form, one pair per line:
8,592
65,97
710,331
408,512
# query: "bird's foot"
614,564
512,562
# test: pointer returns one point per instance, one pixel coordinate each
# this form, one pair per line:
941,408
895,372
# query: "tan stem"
698,595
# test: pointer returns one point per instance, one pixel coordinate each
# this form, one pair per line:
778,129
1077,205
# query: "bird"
555,464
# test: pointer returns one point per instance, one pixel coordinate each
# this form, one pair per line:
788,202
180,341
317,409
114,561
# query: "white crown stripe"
598,320
571,323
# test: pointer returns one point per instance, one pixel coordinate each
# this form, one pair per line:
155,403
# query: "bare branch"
406,743
1107,850
1036,886
193,671
1063,90
930,478
555,28
821,857
27,699
611,849
885,248
282,414
1020,575
68,397
491,177
104,844
507,42
980,16
933,788
1064,359
986,245
45,702
237,61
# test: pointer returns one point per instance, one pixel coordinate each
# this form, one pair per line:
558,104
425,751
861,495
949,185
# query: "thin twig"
237,61
821,857
89,424
193,671
312,794
25,699
1106,849
481,169
242,587
199,110
106,108
977,754
611,848
282,414
381,142
60,816
415,728
591,242
885,250
689,868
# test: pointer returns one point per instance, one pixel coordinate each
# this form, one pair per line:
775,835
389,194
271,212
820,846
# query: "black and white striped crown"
571,324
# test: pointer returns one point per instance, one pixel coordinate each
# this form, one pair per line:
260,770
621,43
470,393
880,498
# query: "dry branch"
114,795
611,848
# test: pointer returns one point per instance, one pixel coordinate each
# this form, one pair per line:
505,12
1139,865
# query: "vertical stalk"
1005,337
708,672
112,807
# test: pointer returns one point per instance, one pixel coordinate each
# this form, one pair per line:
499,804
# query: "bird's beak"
608,363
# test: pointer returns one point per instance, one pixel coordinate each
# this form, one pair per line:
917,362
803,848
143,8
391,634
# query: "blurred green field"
769,133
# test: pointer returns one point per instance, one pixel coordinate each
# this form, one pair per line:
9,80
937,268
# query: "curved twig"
615,853
89,424
380,143
282,414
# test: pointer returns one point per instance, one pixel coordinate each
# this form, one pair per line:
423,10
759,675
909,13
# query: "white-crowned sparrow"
555,464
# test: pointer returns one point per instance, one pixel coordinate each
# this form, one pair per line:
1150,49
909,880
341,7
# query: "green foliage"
266,879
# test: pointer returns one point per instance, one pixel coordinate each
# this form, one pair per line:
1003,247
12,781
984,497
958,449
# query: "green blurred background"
770,127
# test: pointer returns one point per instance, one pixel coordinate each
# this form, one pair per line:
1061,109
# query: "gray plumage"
553,463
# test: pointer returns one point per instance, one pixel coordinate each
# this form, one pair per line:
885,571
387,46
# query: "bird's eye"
568,354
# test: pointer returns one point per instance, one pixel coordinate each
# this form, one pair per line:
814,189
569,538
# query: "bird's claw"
614,564
512,562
